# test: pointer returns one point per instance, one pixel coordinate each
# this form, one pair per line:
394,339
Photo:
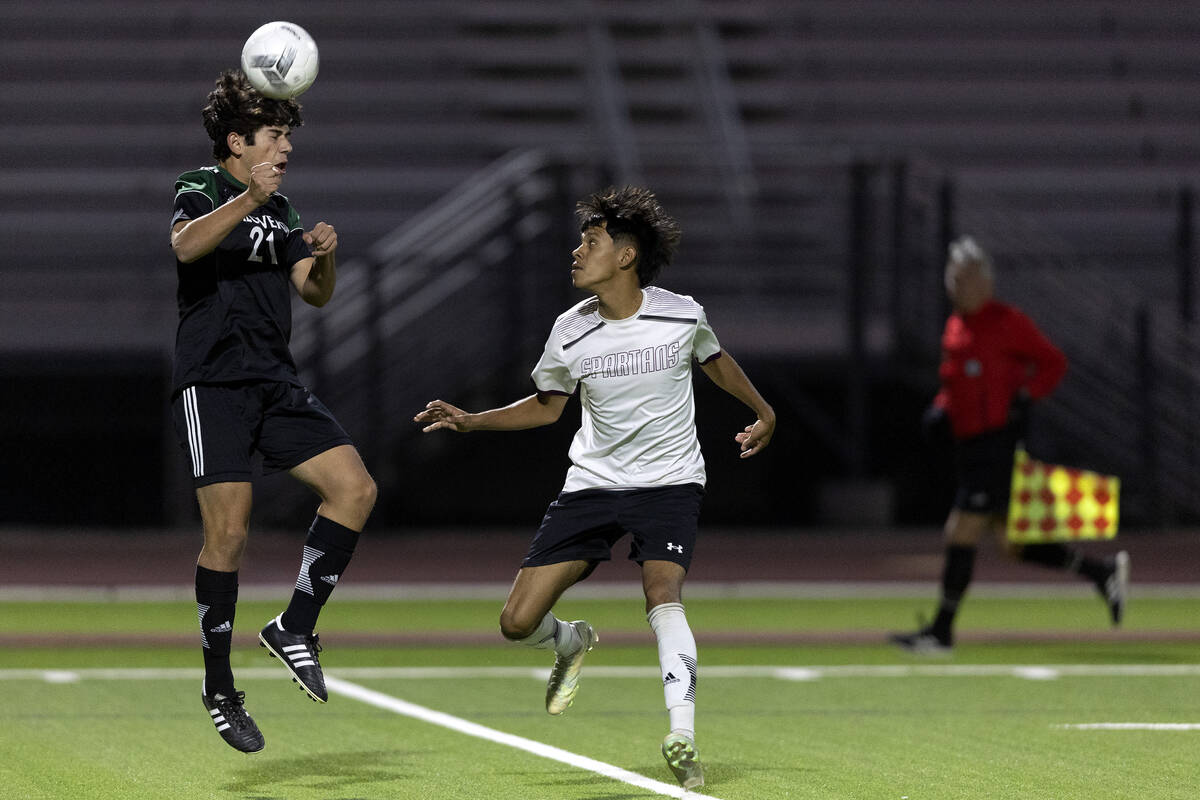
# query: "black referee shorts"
585,525
983,468
221,426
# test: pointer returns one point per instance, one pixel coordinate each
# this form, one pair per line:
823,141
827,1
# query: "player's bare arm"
196,238
726,373
530,412
315,278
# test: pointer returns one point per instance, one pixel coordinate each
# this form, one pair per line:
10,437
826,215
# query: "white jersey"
635,384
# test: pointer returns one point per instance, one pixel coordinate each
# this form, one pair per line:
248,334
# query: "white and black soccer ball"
280,59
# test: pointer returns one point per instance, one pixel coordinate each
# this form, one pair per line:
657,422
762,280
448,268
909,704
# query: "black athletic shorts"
585,525
220,426
983,467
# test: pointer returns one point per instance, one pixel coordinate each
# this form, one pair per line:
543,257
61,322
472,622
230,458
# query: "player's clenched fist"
322,239
264,181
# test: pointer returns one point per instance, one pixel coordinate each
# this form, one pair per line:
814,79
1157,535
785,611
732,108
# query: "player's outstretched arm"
530,412
726,373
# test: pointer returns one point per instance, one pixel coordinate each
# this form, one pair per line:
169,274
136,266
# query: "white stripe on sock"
303,580
203,609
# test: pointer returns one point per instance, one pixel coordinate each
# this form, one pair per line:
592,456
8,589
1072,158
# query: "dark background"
818,155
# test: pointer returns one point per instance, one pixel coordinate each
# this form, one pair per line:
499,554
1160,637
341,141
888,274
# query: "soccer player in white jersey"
636,465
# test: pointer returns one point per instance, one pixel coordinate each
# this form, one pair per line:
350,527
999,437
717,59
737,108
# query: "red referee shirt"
986,358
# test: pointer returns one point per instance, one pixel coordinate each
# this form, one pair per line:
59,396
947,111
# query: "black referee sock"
216,602
1059,556
327,551
956,577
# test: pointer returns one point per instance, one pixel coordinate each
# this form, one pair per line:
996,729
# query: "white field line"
407,709
1132,726
1038,672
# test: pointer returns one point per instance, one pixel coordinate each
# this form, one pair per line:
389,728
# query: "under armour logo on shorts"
678,548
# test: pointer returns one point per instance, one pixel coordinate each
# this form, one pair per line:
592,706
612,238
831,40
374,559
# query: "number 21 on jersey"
259,237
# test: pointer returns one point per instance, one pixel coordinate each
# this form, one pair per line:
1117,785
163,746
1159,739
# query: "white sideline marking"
60,676
1132,726
1037,673
405,708
784,673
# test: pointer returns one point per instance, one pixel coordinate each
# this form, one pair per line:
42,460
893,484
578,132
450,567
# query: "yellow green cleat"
684,760
564,678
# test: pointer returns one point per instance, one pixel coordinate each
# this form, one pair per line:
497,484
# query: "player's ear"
627,257
234,141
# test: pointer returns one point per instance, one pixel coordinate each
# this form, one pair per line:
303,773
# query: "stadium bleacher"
1075,119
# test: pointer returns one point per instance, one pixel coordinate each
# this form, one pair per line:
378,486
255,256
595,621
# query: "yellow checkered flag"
1053,503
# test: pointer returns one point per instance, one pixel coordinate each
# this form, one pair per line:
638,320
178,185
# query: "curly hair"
234,106
633,214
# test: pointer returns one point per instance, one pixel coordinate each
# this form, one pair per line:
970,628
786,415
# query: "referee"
240,251
994,363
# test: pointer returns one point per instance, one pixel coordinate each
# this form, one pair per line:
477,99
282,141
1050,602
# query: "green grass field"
775,720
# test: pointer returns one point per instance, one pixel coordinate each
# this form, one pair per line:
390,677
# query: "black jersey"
235,303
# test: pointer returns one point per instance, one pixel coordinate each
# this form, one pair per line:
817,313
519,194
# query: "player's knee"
513,628
366,492
225,544
359,494
225,534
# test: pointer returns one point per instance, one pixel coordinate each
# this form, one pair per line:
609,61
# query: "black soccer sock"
1059,556
956,577
327,551
216,602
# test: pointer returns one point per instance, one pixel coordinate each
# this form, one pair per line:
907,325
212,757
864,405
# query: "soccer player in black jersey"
240,251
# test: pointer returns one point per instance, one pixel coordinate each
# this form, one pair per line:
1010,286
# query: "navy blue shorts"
983,468
585,525
221,426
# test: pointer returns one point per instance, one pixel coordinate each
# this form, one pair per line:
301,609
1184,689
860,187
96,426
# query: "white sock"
552,632
677,657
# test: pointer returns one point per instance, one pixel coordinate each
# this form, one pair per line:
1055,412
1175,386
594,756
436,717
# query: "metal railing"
721,111
451,300
611,111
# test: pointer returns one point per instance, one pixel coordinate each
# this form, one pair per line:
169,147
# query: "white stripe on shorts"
191,412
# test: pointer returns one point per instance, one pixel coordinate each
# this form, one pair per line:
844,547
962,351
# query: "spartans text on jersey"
631,362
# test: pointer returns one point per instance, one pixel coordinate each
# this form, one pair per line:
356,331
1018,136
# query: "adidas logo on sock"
670,678
224,627
330,579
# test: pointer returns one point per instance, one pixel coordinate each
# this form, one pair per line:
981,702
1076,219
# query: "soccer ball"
280,59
